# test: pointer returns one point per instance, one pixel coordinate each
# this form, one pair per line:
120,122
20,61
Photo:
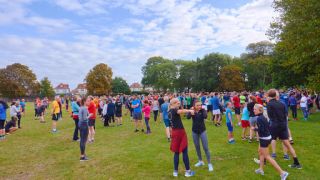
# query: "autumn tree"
18,80
231,78
99,80
46,89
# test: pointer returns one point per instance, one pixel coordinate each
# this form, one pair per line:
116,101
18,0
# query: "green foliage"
297,34
119,85
99,80
46,89
18,80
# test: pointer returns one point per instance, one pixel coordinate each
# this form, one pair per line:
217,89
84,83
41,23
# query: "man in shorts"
216,109
55,113
137,114
279,124
164,110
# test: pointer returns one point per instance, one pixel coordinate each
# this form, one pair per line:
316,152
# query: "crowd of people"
263,117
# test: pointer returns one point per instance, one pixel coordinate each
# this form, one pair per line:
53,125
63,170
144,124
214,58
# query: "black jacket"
198,118
263,126
276,112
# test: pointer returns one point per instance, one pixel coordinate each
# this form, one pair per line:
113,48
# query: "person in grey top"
84,128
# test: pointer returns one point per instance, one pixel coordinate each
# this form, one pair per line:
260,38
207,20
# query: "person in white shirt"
104,113
304,105
13,110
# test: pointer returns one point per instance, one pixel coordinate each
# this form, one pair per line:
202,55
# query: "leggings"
84,131
155,115
204,140
19,119
305,112
185,159
294,111
146,120
76,129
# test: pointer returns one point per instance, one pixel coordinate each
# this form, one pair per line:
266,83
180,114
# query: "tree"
18,80
231,78
46,89
119,85
99,80
187,75
296,31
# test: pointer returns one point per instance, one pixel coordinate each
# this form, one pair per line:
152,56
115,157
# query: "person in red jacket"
92,120
236,105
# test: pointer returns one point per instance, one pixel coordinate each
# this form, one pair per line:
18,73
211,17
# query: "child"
245,121
179,142
229,122
265,140
199,133
146,110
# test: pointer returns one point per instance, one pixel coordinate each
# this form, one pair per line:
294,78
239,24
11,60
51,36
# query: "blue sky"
64,39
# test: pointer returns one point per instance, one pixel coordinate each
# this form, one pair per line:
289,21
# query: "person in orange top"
55,113
92,120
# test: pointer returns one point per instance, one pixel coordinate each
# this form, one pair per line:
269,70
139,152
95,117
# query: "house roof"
135,85
62,86
82,86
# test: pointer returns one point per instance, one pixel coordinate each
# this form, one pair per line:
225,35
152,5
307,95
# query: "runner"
111,111
216,109
75,106
229,123
199,133
252,117
265,139
147,110
137,116
23,107
279,124
155,108
304,106
55,113
293,105
245,122
92,119
3,116
236,105
179,143
118,111
164,110
83,127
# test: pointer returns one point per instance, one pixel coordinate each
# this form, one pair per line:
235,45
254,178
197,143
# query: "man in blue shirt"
164,111
215,102
137,115
3,108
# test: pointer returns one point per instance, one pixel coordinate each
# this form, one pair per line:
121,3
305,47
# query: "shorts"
137,116
118,114
279,131
55,117
209,107
230,128
216,111
22,109
253,121
92,122
237,110
264,143
167,123
245,123
2,123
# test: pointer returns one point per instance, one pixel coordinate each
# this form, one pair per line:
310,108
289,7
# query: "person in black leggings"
84,128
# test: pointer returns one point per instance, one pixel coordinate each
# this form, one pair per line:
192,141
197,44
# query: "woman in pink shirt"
146,110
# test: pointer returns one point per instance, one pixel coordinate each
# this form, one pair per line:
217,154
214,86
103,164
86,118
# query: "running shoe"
210,167
142,130
250,141
284,175
291,141
189,173
286,157
257,161
175,173
274,155
85,158
298,166
259,171
136,130
200,163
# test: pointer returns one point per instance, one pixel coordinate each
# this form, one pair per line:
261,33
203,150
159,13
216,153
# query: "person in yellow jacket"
55,113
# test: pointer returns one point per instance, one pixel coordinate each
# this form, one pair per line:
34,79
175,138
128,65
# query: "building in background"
62,89
136,87
80,90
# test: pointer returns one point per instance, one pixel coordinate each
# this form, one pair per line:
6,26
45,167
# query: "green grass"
119,153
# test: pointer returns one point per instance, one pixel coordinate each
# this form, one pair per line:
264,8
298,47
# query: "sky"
64,39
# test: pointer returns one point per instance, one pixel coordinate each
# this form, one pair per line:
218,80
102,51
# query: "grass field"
118,153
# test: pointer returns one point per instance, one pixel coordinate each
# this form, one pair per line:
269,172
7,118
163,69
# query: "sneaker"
54,131
291,141
286,157
210,167
243,139
200,163
189,173
274,155
136,130
175,174
142,130
298,166
284,175
85,158
231,142
257,161
259,171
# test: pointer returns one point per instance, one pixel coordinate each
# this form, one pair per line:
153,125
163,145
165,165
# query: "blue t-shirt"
292,101
22,104
245,114
136,109
215,103
3,114
164,110
203,99
75,108
284,99
228,112
226,98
